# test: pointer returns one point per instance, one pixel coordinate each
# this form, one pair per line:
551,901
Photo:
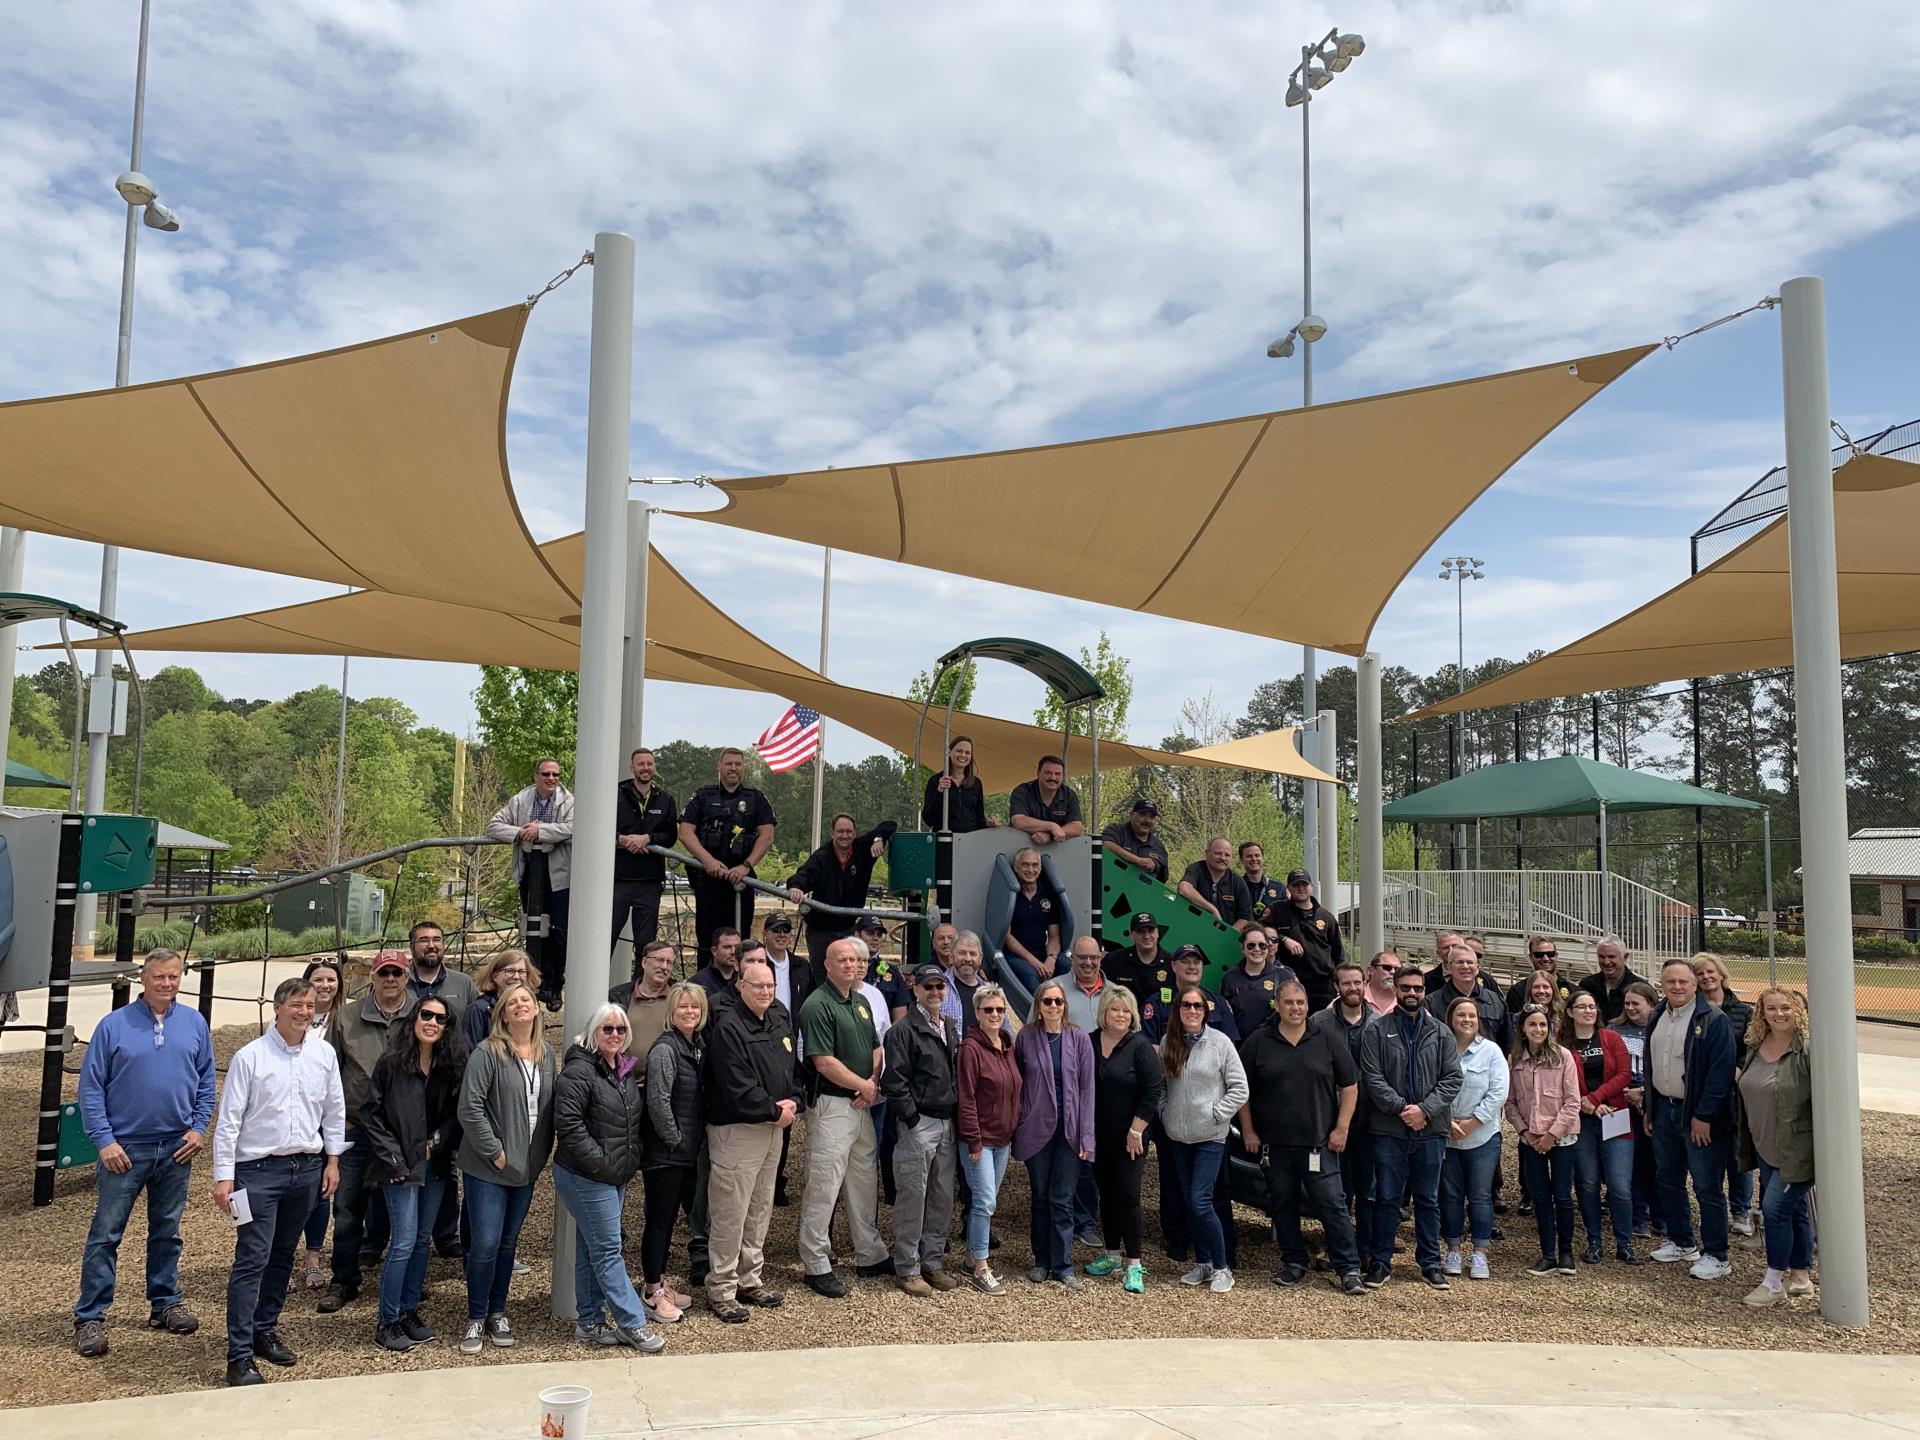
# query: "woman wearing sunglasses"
412,1130
988,1079
598,1119
1206,1086
1055,1134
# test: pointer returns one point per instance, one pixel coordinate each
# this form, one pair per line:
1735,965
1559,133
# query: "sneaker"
660,1307
828,1286
1221,1282
244,1372
647,1342
499,1331
1290,1276
1198,1275
416,1328
728,1312
1436,1277
912,1285
1669,1253
679,1297
1797,1288
1376,1275
1525,1207
520,1267
1092,1239
90,1338
1543,1266
1477,1267
176,1319
1135,1281
1593,1255
1627,1255
1760,1297
1708,1268
1452,1267
1567,1267
1103,1266
1742,1223
594,1334
392,1337
1072,1282
1352,1284
986,1282
1037,1275
471,1338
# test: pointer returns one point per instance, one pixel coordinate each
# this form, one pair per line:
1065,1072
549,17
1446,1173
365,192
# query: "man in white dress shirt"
280,1135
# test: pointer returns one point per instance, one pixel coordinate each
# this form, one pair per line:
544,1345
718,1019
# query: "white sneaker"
1198,1275
1743,1223
1221,1282
1708,1268
1453,1262
1669,1253
1479,1270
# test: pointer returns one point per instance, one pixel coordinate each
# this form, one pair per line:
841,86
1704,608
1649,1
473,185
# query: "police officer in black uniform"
1213,884
645,822
1309,938
1143,966
1045,809
837,874
1265,891
1132,841
726,828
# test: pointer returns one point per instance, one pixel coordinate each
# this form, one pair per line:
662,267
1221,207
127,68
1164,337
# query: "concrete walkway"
1065,1390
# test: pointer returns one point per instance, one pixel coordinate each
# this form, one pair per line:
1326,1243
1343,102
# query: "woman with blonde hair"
1055,1133
987,1078
676,1128
1126,1096
506,1135
1776,1133
1543,1107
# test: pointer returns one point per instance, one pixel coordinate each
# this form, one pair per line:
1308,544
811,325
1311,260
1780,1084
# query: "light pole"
1460,569
143,207
1318,65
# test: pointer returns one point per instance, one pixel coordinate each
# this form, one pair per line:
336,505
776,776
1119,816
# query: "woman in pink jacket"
1543,1108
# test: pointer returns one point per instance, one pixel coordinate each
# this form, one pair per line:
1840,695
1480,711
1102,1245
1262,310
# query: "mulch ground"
1605,1304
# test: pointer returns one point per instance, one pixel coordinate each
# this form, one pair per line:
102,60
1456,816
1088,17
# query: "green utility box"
116,853
307,906
910,861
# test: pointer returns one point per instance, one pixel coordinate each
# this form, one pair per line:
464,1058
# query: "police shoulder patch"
1166,995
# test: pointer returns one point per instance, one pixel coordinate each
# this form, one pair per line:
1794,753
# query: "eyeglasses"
1052,1000
993,1009
548,775
613,1029
1193,1004
1255,945
432,1017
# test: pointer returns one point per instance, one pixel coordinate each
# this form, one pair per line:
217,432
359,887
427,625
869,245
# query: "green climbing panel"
1125,890
75,1147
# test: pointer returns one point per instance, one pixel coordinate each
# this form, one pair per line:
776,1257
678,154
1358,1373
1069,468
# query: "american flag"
790,741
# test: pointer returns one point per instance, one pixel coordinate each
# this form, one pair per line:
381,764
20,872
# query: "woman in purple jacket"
1055,1134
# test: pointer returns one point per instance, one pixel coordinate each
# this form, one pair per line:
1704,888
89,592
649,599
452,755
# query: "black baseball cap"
1194,950
1299,877
1143,806
1143,920
926,974
869,922
782,923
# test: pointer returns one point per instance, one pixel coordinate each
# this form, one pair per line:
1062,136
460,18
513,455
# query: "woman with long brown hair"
1543,1107
1206,1086
955,801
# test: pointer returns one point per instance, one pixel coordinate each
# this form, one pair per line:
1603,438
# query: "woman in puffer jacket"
598,1119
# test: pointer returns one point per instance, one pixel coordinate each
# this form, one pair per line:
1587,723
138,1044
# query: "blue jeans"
1547,1180
1466,1193
280,1193
1740,1191
1676,1160
317,1223
495,1214
1052,1177
411,1210
152,1168
600,1279
1021,971
1595,1160
1196,1170
1783,1205
1356,1182
983,1192
1418,1157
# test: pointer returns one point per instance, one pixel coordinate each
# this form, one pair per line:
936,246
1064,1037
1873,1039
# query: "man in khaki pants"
844,1049
750,1103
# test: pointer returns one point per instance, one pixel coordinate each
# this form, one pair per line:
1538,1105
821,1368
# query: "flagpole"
820,755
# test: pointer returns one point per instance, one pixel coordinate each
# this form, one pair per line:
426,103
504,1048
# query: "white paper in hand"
1616,1123
239,1209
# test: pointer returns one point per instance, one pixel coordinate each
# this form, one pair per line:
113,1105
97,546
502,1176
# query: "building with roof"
1887,860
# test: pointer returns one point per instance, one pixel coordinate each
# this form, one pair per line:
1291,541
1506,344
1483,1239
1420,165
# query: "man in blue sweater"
146,1097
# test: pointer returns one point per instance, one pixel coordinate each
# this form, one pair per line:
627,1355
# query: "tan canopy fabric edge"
1736,614
328,466
1241,524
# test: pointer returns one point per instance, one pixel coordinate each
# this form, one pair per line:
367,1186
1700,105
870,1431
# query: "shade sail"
1737,614
335,466
1565,785
1245,524
28,778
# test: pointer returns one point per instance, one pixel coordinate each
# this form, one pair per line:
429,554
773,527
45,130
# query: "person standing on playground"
843,1046
727,827
837,874
1691,1055
1309,939
146,1095
1410,1069
539,822
1045,809
1133,842
645,823
432,978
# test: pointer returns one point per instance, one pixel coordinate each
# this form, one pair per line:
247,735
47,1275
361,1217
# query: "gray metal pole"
1309,697
340,774
1370,843
1820,730
1766,843
13,560
820,755
603,606
1327,877
633,670
1606,879
96,792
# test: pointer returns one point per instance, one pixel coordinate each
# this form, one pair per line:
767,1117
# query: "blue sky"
873,234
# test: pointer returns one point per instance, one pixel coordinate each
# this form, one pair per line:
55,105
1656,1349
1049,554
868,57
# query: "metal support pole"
1309,699
633,666
1606,879
1369,858
66,889
13,559
603,604
1699,830
1766,865
1309,789
1327,877
820,755
1820,730
338,830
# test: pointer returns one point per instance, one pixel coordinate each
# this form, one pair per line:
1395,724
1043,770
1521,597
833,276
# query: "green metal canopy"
1565,785
1067,677
27,776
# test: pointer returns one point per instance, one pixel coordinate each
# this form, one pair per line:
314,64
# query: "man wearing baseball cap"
1132,840
1310,935
1142,966
922,1098
358,1034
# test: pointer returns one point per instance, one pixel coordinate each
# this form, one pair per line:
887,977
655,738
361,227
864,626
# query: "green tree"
1115,676
526,714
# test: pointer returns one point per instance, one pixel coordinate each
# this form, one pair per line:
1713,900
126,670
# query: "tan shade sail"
1737,614
1296,525
363,466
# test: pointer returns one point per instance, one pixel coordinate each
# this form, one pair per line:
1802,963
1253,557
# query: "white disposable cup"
563,1412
